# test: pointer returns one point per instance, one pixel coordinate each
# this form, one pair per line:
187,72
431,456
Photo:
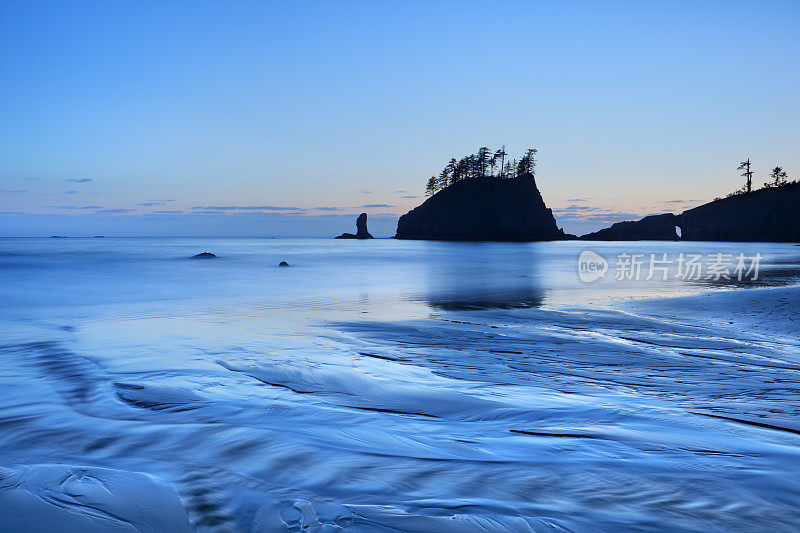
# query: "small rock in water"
204,255
283,264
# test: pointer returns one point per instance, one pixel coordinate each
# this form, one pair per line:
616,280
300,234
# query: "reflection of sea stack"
361,229
483,209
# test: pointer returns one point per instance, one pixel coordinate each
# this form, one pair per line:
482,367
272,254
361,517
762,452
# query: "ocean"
389,385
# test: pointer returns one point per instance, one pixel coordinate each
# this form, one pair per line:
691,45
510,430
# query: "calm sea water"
394,385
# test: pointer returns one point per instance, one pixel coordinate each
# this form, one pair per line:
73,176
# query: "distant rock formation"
58,237
283,264
765,215
483,209
204,255
361,229
650,228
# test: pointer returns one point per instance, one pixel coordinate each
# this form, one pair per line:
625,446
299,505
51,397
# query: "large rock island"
483,209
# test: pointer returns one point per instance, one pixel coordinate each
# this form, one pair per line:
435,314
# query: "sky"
289,118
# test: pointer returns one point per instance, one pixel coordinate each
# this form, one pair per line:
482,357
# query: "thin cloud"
577,199
575,213
80,180
261,213
247,208
70,192
326,208
147,204
574,208
410,196
377,205
62,206
168,212
92,207
611,218
14,191
113,211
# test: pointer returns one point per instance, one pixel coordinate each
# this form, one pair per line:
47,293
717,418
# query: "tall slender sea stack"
361,229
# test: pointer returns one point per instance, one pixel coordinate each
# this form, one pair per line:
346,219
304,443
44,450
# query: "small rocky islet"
361,229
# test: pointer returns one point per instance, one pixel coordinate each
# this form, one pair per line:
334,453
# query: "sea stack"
483,209
766,215
361,229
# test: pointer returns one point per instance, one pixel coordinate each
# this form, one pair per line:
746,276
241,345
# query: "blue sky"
262,118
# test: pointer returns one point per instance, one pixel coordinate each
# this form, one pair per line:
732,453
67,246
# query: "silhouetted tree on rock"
431,188
501,155
778,177
482,165
747,174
